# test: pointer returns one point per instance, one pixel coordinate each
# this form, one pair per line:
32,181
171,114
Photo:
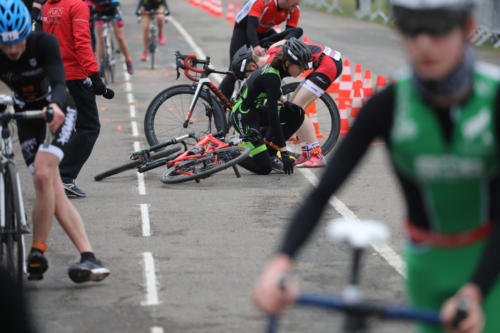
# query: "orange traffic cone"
357,101
230,12
367,84
381,83
217,8
345,86
358,74
313,115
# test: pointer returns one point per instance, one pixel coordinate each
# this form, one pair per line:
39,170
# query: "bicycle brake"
141,155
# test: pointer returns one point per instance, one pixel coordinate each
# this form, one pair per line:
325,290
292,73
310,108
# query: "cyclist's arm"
284,35
293,21
80,15
489,266
48,48
374,120
271,85
253,38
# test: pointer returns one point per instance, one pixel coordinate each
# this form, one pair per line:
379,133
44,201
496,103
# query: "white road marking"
128,86
132,110
151,282
141,186
137,145
384,250
130,98
156,329
146,229
135,130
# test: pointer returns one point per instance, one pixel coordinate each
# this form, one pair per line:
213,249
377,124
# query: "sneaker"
161,39
73,191
87,270
313,162
276,164
130,68
144,56
37,265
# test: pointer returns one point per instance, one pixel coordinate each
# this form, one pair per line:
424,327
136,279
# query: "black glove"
34,12
97,85
287,162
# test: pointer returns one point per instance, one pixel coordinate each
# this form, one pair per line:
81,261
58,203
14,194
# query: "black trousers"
87,128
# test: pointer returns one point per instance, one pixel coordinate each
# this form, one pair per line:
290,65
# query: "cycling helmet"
436,17
240,60
297,52
15,21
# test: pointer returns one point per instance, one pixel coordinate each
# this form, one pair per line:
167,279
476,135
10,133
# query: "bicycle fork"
208,111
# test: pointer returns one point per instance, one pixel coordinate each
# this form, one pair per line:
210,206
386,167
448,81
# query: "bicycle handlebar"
189,62
363,309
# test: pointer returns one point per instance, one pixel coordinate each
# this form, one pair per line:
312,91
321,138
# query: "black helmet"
297,52
432,16
240,60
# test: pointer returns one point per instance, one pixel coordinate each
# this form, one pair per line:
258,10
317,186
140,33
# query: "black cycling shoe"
73,191
37,265
87,270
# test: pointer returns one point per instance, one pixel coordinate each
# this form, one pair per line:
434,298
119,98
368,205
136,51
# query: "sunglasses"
434,24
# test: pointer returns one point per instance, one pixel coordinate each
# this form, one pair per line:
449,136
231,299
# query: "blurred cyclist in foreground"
441,125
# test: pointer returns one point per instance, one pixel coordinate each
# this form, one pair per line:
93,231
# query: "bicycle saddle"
358,233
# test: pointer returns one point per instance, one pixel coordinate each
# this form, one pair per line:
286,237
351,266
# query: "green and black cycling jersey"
447,162
261,93
149,5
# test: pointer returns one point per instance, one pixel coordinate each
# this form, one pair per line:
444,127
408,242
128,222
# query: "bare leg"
121,40
145,32
303,98
159,19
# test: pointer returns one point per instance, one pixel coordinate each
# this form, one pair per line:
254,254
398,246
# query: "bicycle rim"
202,167
325,117
166,114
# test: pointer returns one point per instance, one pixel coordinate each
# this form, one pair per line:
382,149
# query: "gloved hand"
97,85
288,161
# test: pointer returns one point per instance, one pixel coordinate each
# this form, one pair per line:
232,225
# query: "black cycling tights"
290,118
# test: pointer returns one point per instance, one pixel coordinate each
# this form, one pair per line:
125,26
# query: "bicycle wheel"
135,164
167,112
13,237
202,167
327,125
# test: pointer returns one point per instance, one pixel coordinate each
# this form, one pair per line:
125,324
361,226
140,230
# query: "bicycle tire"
228,156
167,112
134,164
13,234
328,118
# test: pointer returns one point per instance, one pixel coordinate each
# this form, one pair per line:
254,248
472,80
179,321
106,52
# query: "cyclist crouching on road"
250,114
327,66
31,65
441,123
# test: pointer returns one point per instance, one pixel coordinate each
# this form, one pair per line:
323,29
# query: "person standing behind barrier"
68,20
111,8
161,10
256,20
441,123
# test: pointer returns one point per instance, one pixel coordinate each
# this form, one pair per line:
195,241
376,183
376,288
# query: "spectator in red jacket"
68,20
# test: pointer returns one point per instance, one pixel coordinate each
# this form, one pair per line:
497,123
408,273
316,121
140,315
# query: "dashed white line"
156,329
146,228
130,98
135,130
151,283
132,110
141,186
384,250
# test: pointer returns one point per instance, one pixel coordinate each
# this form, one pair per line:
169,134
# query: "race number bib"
335,55
244,10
